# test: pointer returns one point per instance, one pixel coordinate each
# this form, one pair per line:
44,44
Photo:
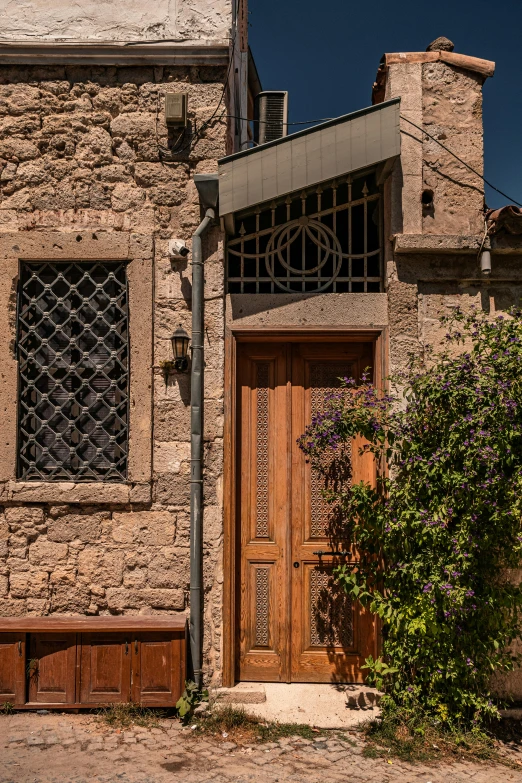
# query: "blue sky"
326,54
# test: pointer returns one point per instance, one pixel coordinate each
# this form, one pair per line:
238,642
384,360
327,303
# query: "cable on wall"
470,168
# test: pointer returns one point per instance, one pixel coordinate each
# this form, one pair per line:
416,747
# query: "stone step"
242,693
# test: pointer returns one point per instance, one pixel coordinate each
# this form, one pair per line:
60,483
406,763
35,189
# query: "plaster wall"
81,178
106,20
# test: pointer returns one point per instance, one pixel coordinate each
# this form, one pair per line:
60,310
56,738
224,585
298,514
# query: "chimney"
441,93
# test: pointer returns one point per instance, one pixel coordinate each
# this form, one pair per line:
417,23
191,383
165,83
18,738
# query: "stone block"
149,175
121,599
25,518
29,584
70,600
14,608
85,527
95,147
171,571
154,528
97,564
140,493
126,197
47,553
169,456
172,421
172,490
134,125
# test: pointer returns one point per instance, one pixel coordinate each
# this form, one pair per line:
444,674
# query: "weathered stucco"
107,20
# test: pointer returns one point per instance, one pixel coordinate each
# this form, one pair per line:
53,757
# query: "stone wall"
452,114
78,152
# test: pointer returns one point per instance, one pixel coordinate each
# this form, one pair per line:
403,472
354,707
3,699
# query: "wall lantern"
180,343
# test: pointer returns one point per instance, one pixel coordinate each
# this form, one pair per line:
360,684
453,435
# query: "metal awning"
331,149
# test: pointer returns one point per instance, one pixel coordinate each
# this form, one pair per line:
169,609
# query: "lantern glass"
180,343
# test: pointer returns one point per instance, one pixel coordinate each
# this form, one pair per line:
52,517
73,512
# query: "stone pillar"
441,92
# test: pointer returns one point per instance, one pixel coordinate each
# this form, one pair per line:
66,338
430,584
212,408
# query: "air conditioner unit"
270,116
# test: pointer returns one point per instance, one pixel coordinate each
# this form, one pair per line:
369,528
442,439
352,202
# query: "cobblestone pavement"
78,749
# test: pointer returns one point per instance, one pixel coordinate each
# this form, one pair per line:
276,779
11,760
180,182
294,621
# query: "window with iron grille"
324,238
73,356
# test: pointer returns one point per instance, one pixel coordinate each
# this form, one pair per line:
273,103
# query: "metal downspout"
196,444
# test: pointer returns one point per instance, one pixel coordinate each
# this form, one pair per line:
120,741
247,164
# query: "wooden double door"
294,622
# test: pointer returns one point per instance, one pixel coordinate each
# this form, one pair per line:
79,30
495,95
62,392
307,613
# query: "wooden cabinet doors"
105,668
94,668
51,668
294,623
12,668
158,669
146,668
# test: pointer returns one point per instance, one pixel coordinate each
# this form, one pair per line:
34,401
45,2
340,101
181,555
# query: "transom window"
325,238
73,351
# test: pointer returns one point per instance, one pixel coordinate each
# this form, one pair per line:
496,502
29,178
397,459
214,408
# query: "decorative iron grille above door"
325,238
73,372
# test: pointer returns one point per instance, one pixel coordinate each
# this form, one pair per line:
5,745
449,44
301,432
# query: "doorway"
292,622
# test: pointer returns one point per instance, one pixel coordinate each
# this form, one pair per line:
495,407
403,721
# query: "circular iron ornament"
322,236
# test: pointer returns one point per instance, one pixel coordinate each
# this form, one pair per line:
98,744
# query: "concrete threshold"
324,705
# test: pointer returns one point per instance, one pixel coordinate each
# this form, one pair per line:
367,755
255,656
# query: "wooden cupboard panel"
105,669
158,669
51,668
12,668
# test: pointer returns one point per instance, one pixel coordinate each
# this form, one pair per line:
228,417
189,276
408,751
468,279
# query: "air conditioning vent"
271,116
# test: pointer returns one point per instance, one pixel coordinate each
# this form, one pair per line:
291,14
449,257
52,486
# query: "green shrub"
440,534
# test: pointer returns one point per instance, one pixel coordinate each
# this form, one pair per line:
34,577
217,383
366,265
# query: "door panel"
12,668
105,668
294,622
158,669
263,501
329,633
52,668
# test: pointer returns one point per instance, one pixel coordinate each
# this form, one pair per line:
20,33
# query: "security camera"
178,249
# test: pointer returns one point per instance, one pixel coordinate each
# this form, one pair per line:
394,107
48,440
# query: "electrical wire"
197,134
486,182
265,122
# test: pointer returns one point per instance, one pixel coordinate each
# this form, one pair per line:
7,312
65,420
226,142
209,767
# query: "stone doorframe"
236,331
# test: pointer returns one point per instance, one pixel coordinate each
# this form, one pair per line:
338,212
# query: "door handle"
320,552
296,564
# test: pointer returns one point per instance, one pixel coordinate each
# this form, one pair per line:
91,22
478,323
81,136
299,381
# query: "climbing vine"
439,537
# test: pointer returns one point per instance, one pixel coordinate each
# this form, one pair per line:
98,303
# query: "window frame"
137,251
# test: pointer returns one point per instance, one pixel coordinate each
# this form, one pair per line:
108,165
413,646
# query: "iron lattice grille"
326,238
73,372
